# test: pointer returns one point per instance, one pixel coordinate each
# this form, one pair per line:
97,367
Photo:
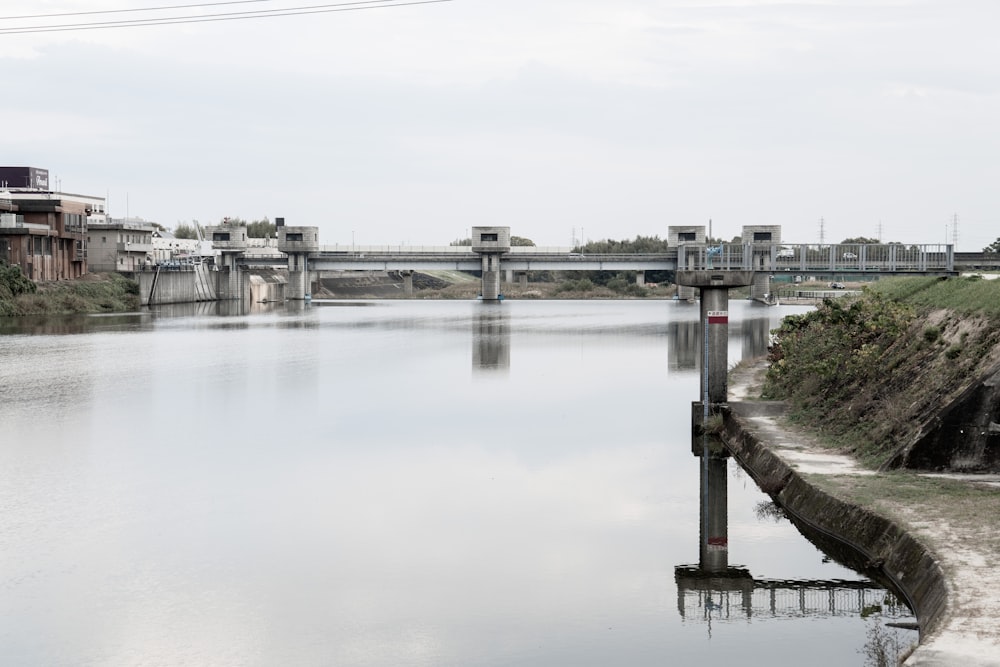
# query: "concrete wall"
761,234
891,555
678,234
199,283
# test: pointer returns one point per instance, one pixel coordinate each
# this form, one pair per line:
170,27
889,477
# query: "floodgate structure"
763,260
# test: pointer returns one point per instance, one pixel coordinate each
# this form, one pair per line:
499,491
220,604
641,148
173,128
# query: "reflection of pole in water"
714,537
682,345
490,338
756,334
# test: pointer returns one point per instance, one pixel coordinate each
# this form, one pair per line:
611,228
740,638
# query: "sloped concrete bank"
887,552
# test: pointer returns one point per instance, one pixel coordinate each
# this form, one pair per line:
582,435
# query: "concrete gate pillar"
297,242
491,243
760,290
298,277
714,286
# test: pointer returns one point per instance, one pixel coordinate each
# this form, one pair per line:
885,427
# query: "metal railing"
833,258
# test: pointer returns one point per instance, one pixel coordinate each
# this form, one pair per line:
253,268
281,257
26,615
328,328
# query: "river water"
388,483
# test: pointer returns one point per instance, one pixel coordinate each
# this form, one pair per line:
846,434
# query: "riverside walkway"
954,517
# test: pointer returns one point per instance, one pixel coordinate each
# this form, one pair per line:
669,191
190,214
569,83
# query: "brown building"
45,232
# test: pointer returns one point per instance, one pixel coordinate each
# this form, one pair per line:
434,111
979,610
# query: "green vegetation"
104,293
640,245
514,241
13,283
186,231
868,372
993,247
970,295
262,229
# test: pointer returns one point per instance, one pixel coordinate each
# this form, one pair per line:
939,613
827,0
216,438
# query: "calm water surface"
380,483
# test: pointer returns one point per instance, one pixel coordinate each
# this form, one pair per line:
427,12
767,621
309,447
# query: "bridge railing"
805,258
790,601
406,249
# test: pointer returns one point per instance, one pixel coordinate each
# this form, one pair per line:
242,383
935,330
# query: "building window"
687,236
220,236
489,237
761,236
297,236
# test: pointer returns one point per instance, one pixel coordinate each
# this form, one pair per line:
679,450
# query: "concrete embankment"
927,546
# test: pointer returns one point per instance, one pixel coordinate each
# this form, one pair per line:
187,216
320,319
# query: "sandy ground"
959,526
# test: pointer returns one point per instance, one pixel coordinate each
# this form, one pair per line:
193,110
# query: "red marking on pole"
718,541
718,317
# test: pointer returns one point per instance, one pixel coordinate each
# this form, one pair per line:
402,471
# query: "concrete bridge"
736,595
491,254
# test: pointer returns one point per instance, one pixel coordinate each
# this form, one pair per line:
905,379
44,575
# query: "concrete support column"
228,278
522,279
491,277
760,290
640,278
508,276
686,292
298,277
714,526
715,311
407,282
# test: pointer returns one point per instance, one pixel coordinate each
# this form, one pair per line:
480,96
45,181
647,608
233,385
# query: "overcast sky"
614,117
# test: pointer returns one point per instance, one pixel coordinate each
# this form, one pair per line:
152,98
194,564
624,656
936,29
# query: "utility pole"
954,231
822,231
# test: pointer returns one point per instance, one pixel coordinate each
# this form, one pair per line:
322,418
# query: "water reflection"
713,590
756,335
684,344
491,338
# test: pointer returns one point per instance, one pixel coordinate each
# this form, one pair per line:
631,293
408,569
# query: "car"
850,255
836,285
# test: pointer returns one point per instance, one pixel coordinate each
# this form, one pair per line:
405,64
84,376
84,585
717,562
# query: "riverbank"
94,293
942,528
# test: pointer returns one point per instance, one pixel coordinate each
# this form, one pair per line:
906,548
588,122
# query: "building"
119,245
44,232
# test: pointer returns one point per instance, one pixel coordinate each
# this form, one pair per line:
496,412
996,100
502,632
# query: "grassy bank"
870,373
94,293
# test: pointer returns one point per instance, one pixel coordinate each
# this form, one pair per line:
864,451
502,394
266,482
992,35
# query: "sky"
562,119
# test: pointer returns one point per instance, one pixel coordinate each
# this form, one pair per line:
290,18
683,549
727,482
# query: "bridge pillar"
714,286
407,282
297,243
491,243
760,290
230,239
640,278
522,279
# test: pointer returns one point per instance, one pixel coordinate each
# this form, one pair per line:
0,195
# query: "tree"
521,241
186,231
993,247
862,239
261,229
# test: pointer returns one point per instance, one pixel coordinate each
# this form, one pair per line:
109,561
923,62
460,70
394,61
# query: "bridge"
763,256
736,595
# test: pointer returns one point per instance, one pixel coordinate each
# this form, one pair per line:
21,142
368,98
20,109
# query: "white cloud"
621,118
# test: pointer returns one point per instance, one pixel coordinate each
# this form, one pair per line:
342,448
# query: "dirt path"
956,517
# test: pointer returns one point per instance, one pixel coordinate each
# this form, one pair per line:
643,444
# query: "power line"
132,9
226,16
